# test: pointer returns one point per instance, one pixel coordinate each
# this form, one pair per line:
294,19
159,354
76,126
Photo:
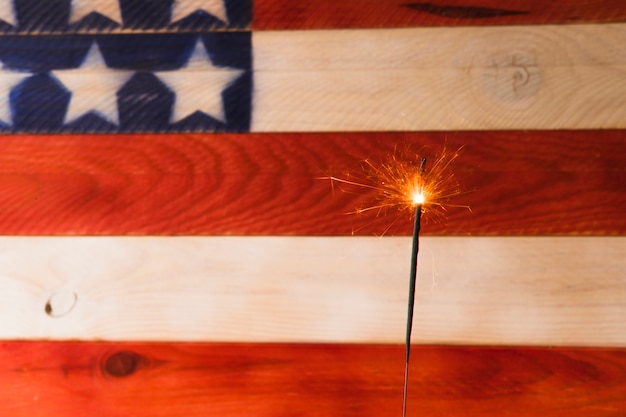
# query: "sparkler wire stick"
412,282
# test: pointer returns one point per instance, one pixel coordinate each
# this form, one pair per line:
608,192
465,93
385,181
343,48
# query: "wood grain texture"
517,77
515,183
116,380
482,290
330,14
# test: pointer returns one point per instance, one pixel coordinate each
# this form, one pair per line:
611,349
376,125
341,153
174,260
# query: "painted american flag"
173,246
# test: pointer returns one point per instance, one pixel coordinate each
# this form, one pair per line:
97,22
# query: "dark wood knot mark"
121,364
462,12
61,303
513,76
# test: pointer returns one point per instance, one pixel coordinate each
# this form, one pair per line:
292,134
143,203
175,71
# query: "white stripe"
509,77
494,290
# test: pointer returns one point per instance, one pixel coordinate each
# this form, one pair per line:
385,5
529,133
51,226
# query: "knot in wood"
61,303
121,364
511,76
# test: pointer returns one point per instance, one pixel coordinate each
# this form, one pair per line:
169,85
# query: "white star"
199,85
93,87
8,80
108,8
183,8
7,12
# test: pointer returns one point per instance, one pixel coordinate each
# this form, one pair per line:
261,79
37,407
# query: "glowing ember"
418,197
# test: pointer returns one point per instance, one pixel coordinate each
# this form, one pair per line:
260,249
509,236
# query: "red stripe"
169,379
332,14
515,183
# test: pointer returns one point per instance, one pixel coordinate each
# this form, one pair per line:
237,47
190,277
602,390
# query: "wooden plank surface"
487,290
330,14
84,16
117,380
543,182
518,77
416,79
480,290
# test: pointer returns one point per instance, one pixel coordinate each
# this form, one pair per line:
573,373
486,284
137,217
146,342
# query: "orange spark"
400,182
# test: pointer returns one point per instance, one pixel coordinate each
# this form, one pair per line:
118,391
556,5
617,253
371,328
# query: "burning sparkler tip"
418,198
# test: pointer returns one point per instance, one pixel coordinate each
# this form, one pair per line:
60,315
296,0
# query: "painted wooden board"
481,290
116,380
330,14
521,77
515,183
187,15
463,78
123,66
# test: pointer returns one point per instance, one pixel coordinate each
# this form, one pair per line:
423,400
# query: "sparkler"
400,184
403,184
418,200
